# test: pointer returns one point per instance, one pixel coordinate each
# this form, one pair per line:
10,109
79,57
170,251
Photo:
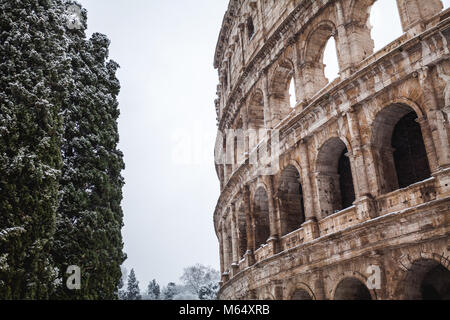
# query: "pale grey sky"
166,49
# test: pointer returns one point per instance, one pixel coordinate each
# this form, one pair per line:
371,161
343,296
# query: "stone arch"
261,216
351,288
425,279
313,69
280,81
334,177
398,146
301,291
290,200
256,119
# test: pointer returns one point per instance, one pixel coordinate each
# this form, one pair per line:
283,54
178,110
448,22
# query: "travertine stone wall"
362,181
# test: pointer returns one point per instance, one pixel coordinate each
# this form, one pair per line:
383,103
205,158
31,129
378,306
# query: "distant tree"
209,291
133,291
153,290
201,280
170,291
183,293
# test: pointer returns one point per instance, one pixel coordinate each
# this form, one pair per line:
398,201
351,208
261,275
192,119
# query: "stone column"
249,255
222,269
267,108
344,54
310,226
358,157
433,130
298,79
226,248
234,242
273,240
365,203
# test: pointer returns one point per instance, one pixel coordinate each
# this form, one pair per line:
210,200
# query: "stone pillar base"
366,208
225,277
311,230
274,245
249,259
442,183
234,269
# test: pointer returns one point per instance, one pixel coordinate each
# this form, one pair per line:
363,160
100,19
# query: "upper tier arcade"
359,166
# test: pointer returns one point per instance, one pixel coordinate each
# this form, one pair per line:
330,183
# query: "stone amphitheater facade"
356,201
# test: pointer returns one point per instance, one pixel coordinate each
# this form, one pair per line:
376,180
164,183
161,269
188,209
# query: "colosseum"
345,193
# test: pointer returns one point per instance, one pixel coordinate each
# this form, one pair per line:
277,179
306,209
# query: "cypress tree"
89,220
33,84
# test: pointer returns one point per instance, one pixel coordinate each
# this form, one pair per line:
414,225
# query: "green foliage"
33,83
90,217
60,169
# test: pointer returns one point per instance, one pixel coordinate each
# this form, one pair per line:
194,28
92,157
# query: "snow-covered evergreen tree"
34,72
153,290
133,291
60,169
170,291
89,219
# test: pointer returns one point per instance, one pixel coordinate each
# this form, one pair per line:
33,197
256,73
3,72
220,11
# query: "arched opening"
301,294
290,197
292,93
384,23
334,177
352,289
331,64
426,280
282,91
261,216
398,148
319,52
410,156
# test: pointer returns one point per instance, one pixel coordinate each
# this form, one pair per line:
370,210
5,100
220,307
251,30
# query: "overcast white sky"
168,124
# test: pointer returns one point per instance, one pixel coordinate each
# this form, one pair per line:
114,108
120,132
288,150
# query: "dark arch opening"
334,177
352,289
301,294
250,28
410,156
427,280
398,148
346,180
290,197
261,216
